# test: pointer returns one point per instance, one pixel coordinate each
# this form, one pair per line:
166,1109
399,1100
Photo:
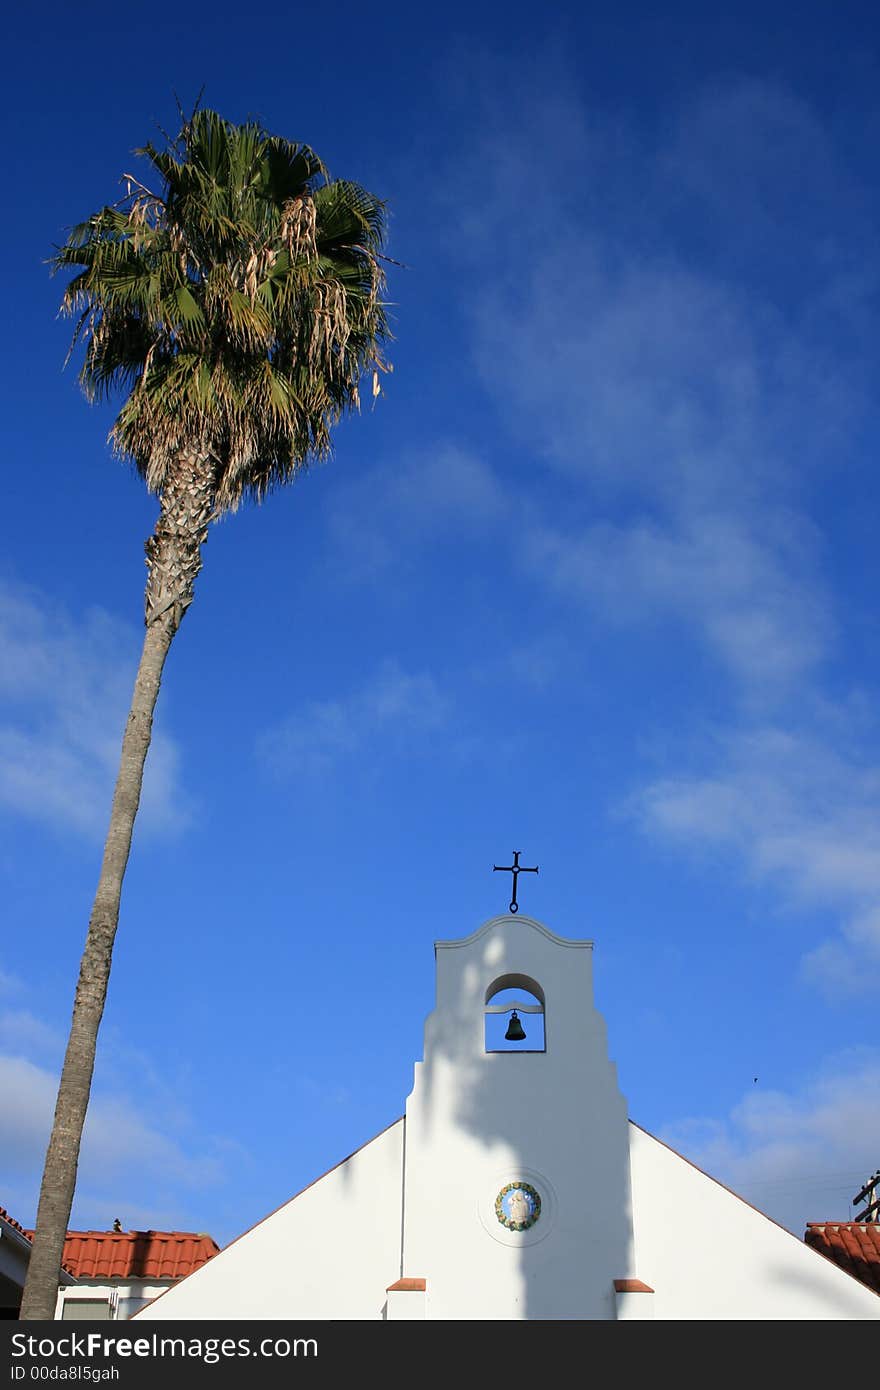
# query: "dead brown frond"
298,228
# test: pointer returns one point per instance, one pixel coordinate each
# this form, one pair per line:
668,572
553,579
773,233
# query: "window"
514,1015
86,1310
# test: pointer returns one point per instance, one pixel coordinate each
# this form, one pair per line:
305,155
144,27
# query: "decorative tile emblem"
518,1206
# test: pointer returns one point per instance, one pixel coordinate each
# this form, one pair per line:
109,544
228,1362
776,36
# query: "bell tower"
516,1166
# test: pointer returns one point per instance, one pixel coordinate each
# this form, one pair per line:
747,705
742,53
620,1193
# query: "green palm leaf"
251,257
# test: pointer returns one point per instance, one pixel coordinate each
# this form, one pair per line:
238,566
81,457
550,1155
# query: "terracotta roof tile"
11,1221
136,1254
853,1245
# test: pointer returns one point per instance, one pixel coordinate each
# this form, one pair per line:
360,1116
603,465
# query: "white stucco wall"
709,1255
479,1120
331,1252
124,1299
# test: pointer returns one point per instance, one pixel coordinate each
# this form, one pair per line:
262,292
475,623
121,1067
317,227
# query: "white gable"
515,1187
330,1252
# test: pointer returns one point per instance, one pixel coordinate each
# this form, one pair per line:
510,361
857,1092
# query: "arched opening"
514,1015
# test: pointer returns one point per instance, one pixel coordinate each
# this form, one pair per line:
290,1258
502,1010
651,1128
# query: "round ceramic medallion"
518,1206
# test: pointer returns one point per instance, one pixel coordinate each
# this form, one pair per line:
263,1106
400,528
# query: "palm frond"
238,307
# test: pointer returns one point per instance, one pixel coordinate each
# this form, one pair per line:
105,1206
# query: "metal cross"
514,869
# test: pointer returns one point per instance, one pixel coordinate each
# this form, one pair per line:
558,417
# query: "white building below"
515,1186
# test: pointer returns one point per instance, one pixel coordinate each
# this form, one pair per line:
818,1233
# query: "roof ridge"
151,1255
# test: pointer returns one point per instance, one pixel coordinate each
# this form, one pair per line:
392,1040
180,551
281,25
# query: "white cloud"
10,984
752,156
130,1161
394,710
798,1157
644,375
656,390
23,1031
805,818
65,687
749,601
627,341
615,346
25,1117
392,511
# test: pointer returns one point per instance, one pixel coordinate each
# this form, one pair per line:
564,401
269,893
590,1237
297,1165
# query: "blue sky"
596,580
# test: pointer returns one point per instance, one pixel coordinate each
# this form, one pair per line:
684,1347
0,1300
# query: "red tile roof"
136,1254
854,1245
11,1221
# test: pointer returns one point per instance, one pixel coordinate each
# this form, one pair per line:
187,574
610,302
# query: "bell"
515,1031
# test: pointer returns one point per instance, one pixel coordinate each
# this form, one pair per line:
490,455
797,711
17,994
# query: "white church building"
516,1186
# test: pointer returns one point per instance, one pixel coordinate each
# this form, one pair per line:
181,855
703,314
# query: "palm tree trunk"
59,1174
173,560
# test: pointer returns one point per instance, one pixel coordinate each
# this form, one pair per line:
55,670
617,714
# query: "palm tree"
239,308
